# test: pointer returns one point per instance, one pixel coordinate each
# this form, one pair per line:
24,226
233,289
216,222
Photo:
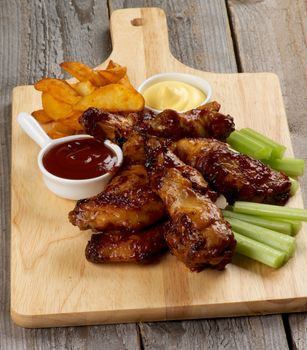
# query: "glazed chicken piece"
128,202
140,247
159,154
134,149
198,235
105,125
194,123
204,121
236,176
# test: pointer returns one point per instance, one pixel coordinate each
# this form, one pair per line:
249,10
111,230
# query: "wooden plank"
297,330
199,31
265,333
199,37
35,37
111,337
271,36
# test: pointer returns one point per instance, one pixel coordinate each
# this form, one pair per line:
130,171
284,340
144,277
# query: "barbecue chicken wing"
128,202
134,149
141,247
236,176
204,121
105,125
197,235
194,123
159,154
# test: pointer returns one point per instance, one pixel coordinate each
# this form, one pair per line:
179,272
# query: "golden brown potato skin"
236,176
140,247
128,202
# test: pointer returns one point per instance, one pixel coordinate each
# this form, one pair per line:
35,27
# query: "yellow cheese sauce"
171,94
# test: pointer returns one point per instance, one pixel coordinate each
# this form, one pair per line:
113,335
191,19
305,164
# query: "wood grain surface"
18,51
71,291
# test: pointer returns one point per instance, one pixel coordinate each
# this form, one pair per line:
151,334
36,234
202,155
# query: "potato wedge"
112,64
54,108
59,130
72,121
84,88
112,75
59,89
41,116
112,98
63,102
124,80
83,72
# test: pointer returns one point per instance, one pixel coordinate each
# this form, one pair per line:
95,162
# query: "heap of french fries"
64,102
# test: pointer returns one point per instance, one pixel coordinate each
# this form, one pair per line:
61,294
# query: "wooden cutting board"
52,284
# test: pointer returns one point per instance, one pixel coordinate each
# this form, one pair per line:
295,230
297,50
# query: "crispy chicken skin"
204,121
194,123
236,176
158,153
198,235
134,149
128,202
105,125
140,247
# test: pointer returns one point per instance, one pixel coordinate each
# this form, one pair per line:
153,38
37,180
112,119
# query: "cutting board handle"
134,29
140,42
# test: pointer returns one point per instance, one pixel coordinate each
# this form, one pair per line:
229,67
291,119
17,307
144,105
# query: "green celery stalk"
294,186
278,150
295,225
290,166
246,145
259,251
279,226
271,238
269,210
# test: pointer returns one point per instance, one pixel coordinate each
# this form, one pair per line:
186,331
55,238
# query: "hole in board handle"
137,22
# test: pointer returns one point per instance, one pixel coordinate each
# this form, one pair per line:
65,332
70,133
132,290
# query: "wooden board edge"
236,309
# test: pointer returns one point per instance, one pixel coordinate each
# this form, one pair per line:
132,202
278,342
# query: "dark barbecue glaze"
204,121
128,202
140,247
198,235
236,176
159,155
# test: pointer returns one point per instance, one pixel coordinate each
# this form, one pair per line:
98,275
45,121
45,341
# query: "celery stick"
294,186
271,238
259,251
295,225
276,211
282,227
247,145
290,166
278,150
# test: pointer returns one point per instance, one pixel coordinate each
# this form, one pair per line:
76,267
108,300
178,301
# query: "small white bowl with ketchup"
73,167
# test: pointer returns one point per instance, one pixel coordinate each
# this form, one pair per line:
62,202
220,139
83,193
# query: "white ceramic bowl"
194,80
66,188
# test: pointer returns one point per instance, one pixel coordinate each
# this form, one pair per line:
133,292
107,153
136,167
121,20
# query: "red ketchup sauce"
79,159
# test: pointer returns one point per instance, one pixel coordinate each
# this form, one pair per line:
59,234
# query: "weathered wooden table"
212,35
